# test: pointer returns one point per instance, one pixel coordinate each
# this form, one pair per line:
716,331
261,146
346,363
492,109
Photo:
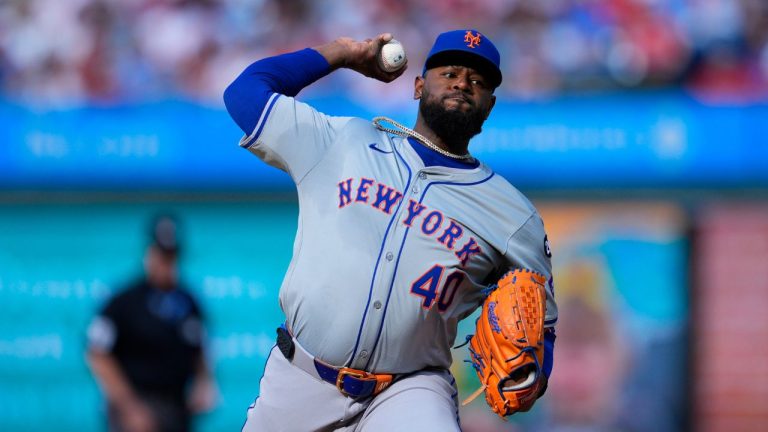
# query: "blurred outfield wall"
640,140
59,262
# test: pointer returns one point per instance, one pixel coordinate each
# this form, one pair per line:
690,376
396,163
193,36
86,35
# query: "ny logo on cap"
472,40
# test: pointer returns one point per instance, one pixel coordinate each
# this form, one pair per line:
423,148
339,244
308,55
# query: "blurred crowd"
110,52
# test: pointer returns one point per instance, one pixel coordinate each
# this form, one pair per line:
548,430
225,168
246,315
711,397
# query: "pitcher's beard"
453,126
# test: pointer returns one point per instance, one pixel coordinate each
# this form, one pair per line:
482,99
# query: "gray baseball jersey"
389,254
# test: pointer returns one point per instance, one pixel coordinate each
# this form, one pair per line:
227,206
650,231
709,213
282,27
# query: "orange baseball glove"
507,349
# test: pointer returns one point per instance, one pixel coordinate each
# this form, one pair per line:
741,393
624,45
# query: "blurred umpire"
146,346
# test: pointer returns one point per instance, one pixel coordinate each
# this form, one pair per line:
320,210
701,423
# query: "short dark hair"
164,234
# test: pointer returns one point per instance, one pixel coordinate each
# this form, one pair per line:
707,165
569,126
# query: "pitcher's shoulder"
509,198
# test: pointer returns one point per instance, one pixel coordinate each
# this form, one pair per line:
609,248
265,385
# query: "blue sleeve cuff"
549,352
285,74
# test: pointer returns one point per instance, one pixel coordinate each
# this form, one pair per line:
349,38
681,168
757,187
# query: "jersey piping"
249,141
400,252
376,267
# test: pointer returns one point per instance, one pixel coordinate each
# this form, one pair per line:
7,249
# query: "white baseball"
392,56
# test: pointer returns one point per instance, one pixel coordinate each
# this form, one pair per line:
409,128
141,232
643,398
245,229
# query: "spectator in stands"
113,52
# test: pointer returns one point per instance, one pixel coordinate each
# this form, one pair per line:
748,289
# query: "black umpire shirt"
158,338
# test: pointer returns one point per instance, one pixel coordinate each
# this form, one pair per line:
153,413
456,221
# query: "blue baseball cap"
466,47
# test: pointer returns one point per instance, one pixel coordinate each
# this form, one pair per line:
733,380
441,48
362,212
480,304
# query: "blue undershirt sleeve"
285,74
549,352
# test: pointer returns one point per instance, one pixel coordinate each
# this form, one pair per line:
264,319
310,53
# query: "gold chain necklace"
405,132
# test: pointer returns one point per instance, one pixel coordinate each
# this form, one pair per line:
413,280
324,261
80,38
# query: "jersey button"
390,256
415,189
422,176
363,354
377,304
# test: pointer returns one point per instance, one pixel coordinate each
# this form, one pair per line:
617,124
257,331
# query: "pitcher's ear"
418,86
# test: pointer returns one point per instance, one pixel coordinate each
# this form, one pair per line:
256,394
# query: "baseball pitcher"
402,233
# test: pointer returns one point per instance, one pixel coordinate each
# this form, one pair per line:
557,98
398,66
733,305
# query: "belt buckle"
354,373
